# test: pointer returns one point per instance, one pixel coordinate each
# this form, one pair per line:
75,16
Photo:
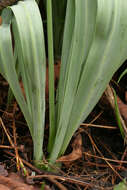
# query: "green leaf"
122,75
7,63
117,113
107,53
88,63
73,55
28,32
10,93
29,43
52,129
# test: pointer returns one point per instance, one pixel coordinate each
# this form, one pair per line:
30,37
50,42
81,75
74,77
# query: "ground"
95,158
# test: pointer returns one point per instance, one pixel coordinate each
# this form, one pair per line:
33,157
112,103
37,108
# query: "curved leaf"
73,57
29,43
90,64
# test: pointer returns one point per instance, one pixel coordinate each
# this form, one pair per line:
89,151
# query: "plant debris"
75,154
95,160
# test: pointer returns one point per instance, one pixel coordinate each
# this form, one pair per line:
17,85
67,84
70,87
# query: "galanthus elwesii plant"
94,47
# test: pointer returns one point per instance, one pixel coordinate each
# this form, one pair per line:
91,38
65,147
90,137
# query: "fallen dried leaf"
3,187
3,171
14,182
75,154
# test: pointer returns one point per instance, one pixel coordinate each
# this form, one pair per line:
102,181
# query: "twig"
59,185
15,142
98,126
123,156
26,163
103,156
63,178
111,160
8,136
14,145
6,147
107,149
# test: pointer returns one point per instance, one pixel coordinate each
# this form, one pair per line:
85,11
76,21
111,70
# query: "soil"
95,159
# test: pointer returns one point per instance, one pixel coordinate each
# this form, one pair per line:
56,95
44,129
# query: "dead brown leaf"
14,182
3,171
3,187
75,154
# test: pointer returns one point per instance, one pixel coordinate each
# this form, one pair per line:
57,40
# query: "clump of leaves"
29,54
94,47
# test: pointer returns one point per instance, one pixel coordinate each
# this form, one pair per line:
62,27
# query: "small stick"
59,185
108,159
122,159
18,159
6,147
63,178
25,162
15,142
99,126
92,141
8,136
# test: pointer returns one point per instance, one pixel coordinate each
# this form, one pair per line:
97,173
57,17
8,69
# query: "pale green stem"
52,130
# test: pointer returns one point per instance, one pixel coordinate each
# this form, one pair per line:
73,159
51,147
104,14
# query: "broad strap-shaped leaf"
29,43
31,49
107,53
85,78
72,61
68,34
7,62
